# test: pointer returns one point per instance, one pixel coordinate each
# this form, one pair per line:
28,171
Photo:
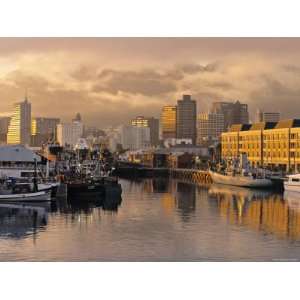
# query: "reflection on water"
185,200
18,221
259,210
156,219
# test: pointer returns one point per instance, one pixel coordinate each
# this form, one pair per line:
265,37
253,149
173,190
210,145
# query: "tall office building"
168,122
134,138
19,130
209,129
4,124
264,116
43,130
186,118
234,113
69,133
150,122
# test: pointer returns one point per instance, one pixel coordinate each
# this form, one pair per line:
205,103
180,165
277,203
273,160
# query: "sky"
112,80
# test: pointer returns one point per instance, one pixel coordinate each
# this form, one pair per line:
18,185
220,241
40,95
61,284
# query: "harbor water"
156,220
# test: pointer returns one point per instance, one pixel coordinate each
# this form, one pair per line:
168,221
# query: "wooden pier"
192,175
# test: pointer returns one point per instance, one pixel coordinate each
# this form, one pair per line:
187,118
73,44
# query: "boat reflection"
73,207
293,200
258,209
19,220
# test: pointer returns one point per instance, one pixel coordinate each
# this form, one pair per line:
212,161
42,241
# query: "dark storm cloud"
23,80
145,82
197,68
110,80
84,73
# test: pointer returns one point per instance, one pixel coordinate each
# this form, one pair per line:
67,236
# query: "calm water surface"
157,220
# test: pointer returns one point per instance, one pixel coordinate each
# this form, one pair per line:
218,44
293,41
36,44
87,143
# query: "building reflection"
185,200
258,210
19,220
156,185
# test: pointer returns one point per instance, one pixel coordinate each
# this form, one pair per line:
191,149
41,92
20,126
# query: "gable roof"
17,153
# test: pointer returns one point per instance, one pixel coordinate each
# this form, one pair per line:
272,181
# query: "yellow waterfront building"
267,144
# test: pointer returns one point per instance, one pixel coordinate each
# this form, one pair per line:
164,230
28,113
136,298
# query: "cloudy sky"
111,80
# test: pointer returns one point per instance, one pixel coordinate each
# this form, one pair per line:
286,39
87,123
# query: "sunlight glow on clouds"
112,80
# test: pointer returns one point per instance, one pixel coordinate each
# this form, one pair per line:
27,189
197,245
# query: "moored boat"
237,172
26,197
292,183
242,180
22,192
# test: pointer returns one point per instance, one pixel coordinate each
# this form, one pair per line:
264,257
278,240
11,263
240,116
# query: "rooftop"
17,153
290,123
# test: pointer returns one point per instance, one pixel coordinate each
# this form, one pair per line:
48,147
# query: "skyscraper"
209,129
69,133
186,118
134,137
4,124
19,130
150,122
42,130
234,113
168,122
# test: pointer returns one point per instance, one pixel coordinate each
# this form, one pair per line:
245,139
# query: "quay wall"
192,175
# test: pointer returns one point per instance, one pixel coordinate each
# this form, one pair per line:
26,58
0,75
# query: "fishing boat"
49,186
93,183
292,183
239,173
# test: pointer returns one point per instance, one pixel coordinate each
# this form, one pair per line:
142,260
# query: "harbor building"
19,129
209,129
186,119
168,122
153,125
267,144
43,130
69,133
264,116
234,113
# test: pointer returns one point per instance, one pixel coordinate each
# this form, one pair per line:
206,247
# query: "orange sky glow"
111,80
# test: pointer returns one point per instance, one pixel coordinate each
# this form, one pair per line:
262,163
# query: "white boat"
244,180
24,197
49,186
292,183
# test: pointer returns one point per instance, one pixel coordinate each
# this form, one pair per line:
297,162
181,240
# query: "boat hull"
53,187
241,181
84,191
288,186
27,197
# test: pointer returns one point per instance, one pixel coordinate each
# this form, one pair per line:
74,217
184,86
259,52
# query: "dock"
193,175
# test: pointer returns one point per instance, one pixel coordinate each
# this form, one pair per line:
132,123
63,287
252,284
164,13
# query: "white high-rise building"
19,129
69,133
134,138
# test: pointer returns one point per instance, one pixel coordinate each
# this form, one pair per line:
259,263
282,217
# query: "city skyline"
97,76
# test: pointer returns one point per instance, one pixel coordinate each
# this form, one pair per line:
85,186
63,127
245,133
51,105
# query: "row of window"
266,137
